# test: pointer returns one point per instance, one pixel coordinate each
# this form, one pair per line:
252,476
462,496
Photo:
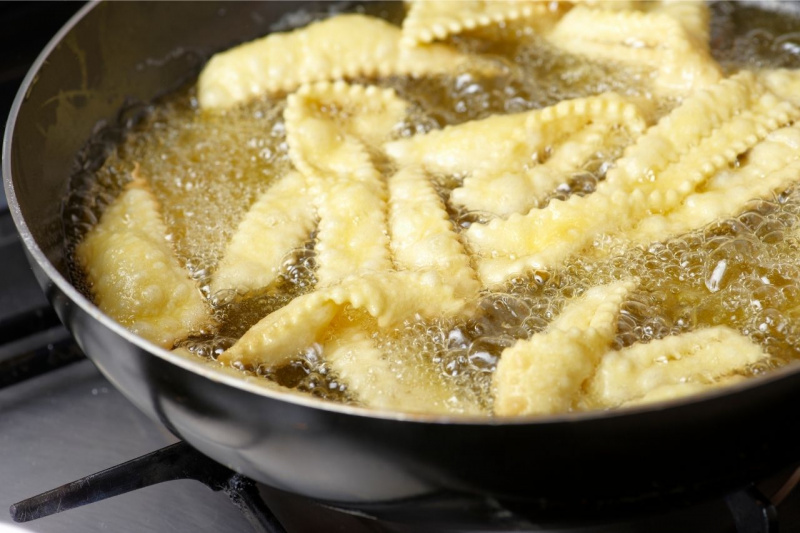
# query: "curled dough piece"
279,221
701,356
423,238
344,46
655,40
388,297
708,132
544,374
435,20
134,275
332,129
373,380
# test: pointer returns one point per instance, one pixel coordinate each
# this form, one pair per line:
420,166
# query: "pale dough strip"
435,20
772,167
279,336
423,238
279,221
544,374
134,275
344,46
654,40
710,129
700,356
371,380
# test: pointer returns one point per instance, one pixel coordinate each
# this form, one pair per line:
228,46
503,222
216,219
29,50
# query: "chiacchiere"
393,246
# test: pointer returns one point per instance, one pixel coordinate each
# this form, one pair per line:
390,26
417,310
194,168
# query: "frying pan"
90,83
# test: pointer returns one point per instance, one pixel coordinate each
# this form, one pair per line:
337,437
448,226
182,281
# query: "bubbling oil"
206,169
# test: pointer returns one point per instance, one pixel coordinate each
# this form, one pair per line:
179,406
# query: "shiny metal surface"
114,52
70,423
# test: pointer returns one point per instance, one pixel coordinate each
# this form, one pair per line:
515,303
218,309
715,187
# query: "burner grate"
177,461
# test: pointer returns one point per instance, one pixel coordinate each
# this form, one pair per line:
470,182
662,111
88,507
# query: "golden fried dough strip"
422,236
352,235
511,141
711,129
281,335
435,20
345,46
655,40
701,356
134,275
331,128
279,221
505,154
505,192
375,381
771,167
544,374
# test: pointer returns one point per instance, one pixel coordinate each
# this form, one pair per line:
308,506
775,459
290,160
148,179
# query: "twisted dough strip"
656,368
344,46
544,374
134,275
388,297
711,129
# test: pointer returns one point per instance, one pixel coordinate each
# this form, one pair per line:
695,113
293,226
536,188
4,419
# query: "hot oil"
207,169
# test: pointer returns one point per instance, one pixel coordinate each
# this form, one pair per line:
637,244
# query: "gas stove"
63,421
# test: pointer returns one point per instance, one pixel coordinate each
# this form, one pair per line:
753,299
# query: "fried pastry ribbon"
672,367
544,374
671,38
515,160
432,20
344,46
333,130
134,275
688,151
280,336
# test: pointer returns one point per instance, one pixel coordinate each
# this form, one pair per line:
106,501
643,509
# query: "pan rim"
207,371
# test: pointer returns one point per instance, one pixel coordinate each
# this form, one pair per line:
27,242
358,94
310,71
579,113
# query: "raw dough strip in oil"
710,130
134,275
544,374
772,166
331,130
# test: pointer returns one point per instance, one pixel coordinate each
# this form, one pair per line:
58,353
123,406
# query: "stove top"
60,420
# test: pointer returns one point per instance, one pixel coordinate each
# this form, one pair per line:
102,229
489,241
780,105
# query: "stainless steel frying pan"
75,102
